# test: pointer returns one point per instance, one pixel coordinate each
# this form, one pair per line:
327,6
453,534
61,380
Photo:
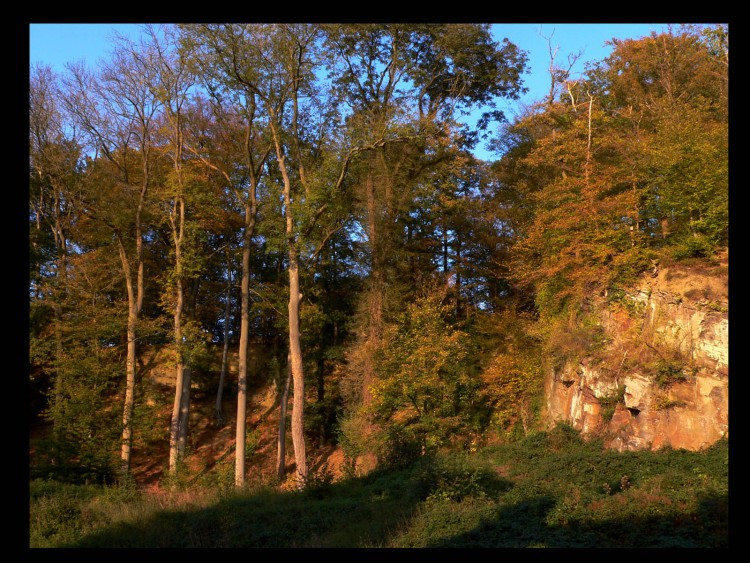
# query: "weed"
609,403
669,371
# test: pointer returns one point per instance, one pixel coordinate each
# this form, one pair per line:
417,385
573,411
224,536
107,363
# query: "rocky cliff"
661,376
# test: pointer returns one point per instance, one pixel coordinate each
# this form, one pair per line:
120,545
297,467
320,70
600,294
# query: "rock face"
662,377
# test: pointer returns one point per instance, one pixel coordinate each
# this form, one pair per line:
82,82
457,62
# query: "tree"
116,110
68,289
426,382
222,55
170,83
309,169
293,49
406,84
673,88
632,159
54,201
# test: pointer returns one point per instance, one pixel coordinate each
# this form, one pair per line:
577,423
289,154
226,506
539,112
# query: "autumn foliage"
330,203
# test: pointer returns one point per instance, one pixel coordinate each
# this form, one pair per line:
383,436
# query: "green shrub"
692,247
353,439
609,403
669,371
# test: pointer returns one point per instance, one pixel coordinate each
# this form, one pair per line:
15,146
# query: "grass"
552,489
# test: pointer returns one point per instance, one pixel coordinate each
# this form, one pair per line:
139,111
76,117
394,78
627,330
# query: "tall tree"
54,201
407,83
309,169
294,51
170,82
116,109
224,57
219,408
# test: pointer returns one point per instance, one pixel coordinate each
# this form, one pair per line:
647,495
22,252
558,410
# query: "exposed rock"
675,383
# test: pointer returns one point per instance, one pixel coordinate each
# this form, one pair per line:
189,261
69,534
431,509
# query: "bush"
692,247
398,447
57,512
354,439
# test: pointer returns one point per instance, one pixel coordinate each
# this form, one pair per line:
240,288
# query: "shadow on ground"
524,525
376,510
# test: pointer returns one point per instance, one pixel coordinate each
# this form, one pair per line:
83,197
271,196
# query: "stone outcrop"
662,378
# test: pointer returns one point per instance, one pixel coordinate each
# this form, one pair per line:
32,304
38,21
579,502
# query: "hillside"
614,391
211,446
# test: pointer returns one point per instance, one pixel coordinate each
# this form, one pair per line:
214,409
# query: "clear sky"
57,44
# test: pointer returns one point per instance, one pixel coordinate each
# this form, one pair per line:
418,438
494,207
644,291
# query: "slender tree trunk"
295,347
127,415
283,404
251,210
219,410
178,426
135,304
174,428
298,378
239,466
184,412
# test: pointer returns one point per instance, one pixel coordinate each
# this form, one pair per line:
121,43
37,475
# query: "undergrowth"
551,489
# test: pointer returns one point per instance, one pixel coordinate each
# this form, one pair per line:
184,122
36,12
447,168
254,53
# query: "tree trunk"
135,303
178,426
133,310
251,210
184,412
239,466
295,347
219,410
298,378
127,416
283,403
174,427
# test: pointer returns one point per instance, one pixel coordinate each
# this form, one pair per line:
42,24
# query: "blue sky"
57,44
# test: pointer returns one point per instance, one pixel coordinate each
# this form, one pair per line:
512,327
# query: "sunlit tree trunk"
239,466
133,313
298,376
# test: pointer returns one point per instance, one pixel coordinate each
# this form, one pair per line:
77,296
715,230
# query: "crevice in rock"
634,411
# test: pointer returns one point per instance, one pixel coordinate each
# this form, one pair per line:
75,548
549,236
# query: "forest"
305,198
